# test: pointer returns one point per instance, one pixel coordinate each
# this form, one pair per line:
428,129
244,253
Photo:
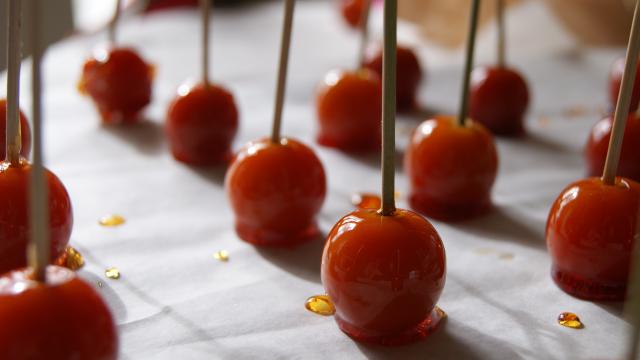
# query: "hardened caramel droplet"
222,255
112,273
321,305
366,201
112,220
71,259
438,312
570,320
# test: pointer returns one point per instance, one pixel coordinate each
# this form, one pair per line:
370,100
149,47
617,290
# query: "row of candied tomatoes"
276,190
62,316
348,107
203,120
590,233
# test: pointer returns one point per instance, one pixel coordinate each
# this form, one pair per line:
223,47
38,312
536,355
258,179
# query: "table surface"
175,301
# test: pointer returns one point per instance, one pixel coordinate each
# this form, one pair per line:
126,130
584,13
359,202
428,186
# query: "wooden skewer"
502,39
364,33
39,249
466,76
205,10
13,136
114,22
389,107
282,71
624,101
632,305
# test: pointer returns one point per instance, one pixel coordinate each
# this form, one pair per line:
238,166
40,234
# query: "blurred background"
440,23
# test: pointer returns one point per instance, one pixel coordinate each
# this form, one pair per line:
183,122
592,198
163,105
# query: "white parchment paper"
174,301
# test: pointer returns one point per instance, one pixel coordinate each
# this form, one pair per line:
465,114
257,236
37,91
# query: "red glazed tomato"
499,98
352,11
451,168
60,320
349,110
14,215
201,124
119,82
408,77
384,275
598,145
615,81
25,132
590,235
276,190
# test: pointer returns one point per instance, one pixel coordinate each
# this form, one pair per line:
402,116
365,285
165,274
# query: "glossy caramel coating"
349,109
276,190
498,99
615,81
119,82
14,215
201,125
451,168
25,132
62,319
598,146
590,236
384,274
409,75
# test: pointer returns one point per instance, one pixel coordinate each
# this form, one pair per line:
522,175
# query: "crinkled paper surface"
175,301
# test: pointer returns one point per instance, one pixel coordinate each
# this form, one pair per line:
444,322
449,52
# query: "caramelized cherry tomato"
349,110
352,11
119,82
451,168
25,132
14,215
384,274
499,99
598,145
61,319
276,190
201,124
590,236
615,81
408,77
